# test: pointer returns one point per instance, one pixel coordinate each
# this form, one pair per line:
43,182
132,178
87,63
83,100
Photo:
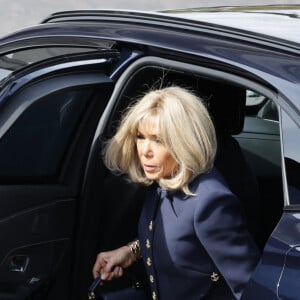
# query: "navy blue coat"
196,247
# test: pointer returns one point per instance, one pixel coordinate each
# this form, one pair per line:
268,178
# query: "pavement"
17,14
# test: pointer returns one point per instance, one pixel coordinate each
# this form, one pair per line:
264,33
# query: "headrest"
226,105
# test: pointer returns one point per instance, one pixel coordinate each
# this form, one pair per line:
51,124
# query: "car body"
64,84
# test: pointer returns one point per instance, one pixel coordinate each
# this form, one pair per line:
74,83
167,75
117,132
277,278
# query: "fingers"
117,272
99,265
96,270
106,268
110,264
109,271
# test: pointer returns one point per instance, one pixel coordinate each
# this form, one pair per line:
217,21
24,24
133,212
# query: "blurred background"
16,14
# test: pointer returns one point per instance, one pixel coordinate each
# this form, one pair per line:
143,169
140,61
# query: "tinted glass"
21,58
34,146
261,134
291,139
261,107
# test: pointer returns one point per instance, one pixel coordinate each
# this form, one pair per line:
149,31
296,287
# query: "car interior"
249,158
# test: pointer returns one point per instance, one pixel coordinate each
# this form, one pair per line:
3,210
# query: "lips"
150,168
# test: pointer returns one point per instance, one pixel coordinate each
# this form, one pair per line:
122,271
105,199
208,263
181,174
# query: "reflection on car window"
14,61
253,98
291,139
33,147
260,106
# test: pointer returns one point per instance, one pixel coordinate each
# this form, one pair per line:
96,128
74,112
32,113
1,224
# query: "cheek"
169,164
138,148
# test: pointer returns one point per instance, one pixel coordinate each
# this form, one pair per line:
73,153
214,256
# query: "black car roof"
233,22
282,22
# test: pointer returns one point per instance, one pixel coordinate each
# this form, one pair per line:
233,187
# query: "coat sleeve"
221,229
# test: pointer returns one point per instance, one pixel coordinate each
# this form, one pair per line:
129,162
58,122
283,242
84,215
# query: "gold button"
154,296
150,226
149,262
214,277
151,278
148,244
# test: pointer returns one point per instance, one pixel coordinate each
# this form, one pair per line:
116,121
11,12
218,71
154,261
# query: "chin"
152,177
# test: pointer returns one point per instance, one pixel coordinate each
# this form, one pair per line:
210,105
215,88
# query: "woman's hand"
110,264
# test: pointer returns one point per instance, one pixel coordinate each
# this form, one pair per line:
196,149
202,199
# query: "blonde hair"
185,127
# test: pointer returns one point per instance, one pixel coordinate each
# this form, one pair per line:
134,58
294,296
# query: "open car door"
49,111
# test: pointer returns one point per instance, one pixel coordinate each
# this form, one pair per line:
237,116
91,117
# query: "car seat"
227,108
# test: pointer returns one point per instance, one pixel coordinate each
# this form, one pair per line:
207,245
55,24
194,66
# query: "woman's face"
155,158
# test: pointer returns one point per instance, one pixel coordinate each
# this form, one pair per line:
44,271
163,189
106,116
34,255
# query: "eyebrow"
152,136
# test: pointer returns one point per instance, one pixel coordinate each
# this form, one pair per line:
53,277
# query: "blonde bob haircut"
185,129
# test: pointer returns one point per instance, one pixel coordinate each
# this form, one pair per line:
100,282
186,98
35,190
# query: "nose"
147,148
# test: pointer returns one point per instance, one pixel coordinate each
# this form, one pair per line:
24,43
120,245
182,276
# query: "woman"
192,238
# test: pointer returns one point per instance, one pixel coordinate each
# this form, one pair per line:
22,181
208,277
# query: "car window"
261,145
291,157
261,135
260,106
33,148
18,59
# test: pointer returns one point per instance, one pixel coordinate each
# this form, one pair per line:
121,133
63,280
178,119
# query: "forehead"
149,124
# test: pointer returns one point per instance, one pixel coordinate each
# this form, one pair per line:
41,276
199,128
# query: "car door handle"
19,263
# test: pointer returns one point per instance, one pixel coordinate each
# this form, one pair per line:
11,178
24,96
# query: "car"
64,85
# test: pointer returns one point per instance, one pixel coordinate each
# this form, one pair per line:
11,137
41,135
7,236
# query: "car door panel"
47,127
42,235
288,282
277,275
